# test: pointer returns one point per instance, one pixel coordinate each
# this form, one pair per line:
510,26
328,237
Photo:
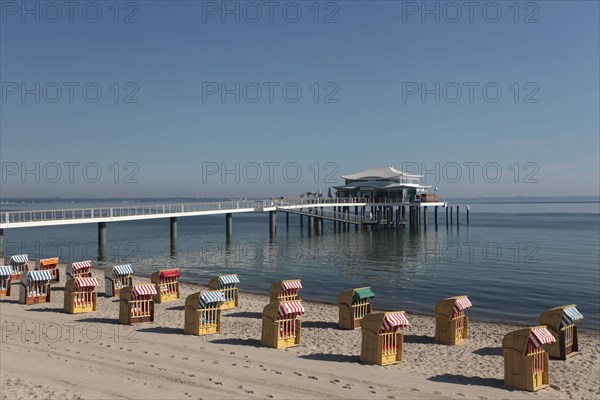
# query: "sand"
46,353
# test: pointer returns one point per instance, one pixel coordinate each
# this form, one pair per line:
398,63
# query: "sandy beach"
47,353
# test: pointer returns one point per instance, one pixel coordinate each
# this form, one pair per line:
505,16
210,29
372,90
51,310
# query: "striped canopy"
38,276
19,259
86,283
6,270
120,270
538,337
211,299
570,316
143,290
289,285
394,320
460,305
170,273
290,308
76,266
228,280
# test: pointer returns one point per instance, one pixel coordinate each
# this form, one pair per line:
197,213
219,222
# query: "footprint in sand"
313,377
414,390
250,391
192,375
374,392
185,358
232,352
233,364
269,396
295,372
391,397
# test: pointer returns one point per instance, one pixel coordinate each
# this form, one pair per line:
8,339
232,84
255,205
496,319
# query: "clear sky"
229,99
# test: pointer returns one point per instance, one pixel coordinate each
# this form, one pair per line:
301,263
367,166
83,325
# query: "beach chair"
525,360
451,323
136,304
285,290
19,265
35,287
560,321
167,285
382,338
50,264
80,295
203,312
228,284
81,269
5,280
353,306
117,278
281,325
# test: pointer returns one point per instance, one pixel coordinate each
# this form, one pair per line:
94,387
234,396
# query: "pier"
342,212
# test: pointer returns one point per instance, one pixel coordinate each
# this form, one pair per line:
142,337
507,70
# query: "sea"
516,258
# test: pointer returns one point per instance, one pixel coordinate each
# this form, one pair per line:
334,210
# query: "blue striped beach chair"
203,312
5,280
35,287
228,284
561,321
116,278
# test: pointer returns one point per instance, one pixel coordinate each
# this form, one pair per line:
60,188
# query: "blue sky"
362,68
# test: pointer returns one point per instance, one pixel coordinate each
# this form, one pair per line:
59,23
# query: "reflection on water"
513,265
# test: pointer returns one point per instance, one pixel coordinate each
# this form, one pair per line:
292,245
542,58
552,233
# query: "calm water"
514,260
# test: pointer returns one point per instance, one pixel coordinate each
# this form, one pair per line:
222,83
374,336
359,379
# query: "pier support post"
272,222
101,241
301,221
447,215
451,218
436,216
287,219
311,222
457,219
425,215
229,224
2,245
173,231
468,215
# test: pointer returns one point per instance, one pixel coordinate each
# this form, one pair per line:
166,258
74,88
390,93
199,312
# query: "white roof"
379,173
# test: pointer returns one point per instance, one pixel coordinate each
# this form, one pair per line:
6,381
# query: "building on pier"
385,185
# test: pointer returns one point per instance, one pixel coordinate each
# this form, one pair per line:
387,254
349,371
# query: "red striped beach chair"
50,264
525,360
203,312
560,322
451,323
136,304
285,290
116,278
353,306
35,287
382,338
80,295
19,265
81,269
281,327
5,280
228,284
167,285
